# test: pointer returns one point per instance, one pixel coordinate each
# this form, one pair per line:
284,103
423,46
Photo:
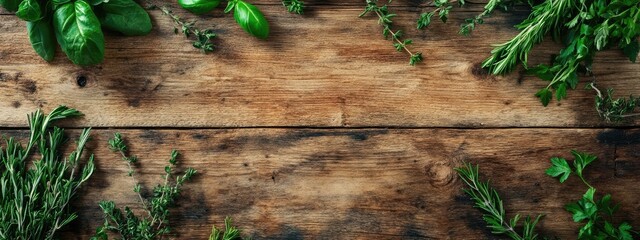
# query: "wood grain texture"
325,69
361,183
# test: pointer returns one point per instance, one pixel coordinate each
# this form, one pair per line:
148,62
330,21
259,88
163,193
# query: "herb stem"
394,36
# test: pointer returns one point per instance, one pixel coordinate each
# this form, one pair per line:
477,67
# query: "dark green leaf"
631,50
42,38
10,5
545,96
29,10
78,32
125,16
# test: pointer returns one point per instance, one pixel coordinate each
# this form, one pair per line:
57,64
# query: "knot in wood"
439,174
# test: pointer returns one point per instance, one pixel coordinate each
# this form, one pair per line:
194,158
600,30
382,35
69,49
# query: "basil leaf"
29,10
10,5
78,32
199,6
124,16
251,19
42,38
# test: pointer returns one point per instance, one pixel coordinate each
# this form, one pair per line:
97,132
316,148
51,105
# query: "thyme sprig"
614,109
385,20
203,38
155,224
294,6
34,201
443,7
488,200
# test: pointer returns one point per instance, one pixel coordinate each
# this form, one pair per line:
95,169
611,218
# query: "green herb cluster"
76,25
203,38
589,210
230,232
294,6
596,214
155,224
248,16
488,200
385,20
614,109
584,27
34,201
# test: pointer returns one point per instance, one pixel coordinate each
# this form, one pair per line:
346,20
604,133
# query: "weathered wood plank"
361,183
326,69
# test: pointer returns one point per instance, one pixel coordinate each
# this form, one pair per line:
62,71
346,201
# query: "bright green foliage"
584,27
385,20
443,7
487,199
294,6
34,201
77,25
589,210
203,38
155,224
249,17
230,232
199,6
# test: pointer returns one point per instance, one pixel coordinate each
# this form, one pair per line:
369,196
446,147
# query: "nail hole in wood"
81,81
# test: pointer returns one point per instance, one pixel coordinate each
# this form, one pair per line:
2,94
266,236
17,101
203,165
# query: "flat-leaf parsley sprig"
384,19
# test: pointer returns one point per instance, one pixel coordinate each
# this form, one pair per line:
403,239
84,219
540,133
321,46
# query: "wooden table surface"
324,131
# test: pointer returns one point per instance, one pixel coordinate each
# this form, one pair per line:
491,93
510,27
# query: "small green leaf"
559,167
545,96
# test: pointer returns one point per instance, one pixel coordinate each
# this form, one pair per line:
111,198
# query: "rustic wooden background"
324,131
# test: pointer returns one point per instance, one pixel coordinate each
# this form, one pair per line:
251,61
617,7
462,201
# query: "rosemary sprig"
384,19
488,200
203,38
34,200
294,6
230,232
155,224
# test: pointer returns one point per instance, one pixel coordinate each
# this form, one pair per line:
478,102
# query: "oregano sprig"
488,200
155,224
385,20
203,38
294,6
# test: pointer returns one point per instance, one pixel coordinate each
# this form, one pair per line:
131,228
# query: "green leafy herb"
29,10
34,201
10,5
78,32
42,38
199,6
588,209
442,9
612,109
488,200
124,16
155,224
249,18
203,38
294,6
385,20
230,232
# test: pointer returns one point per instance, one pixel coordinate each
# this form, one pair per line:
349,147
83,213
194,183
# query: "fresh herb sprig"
589,210
488,200
202,38
614,109
230,232
384,19
294,6
443,7
34,201
155,224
